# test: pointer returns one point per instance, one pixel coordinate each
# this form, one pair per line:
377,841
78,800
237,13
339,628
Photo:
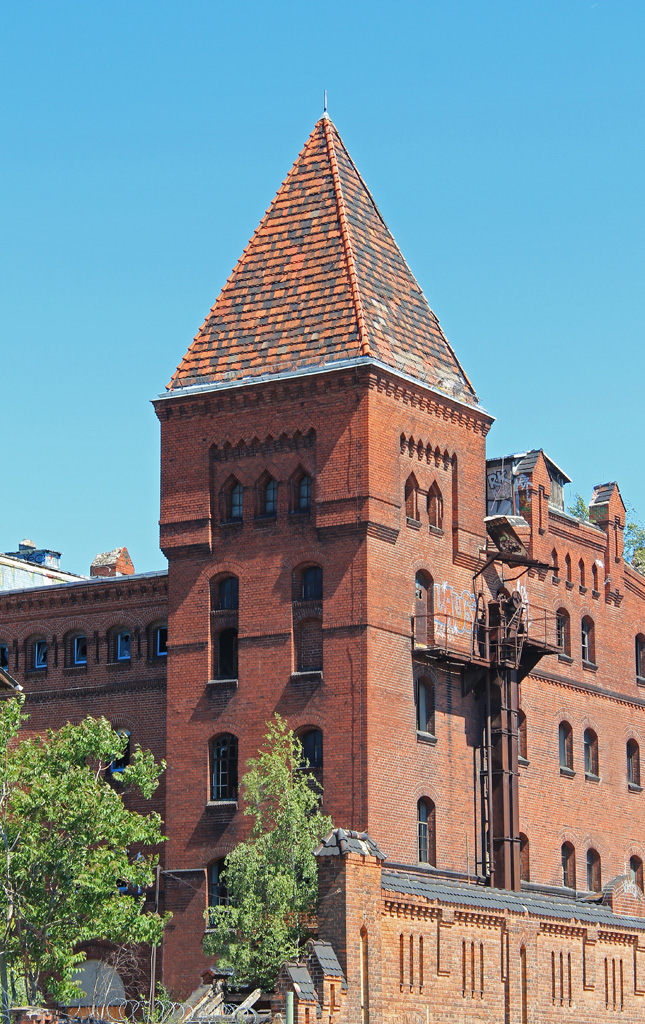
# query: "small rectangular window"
162,641
4,656
40,654
123,647
80,650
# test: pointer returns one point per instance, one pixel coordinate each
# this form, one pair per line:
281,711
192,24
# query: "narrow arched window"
636,870
217,891
312,748
587,636
425,706
426,831
581,570
304,493
227,654
522,745
565,742
524,858
412,499
423,609
590,741
236,501
228,593
435,507
270,496
554,563
594,576
224,767
633,763
563,631
568,865
311,580
593,871
640,657
567,566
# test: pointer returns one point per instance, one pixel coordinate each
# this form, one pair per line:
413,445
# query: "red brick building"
463,659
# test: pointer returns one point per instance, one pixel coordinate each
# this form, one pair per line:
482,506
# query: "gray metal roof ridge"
433,887
91,580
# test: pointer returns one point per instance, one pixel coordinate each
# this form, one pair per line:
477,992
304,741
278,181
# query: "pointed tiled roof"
322,281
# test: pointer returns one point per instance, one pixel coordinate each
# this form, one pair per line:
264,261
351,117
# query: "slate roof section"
322,281
301,978
341,841
326,957
499,900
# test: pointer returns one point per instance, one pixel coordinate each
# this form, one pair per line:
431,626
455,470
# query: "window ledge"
223,682
436,531
592,777
523,761
633,787
426,737
595,594
72,670
265,520
222,803
589,666
414,524
313,675
228,523
640,680
118,666
306,512
35,671
555,580
567,772
566,658
569,585
582,590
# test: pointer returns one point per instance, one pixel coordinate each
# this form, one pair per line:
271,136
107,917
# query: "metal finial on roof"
325,114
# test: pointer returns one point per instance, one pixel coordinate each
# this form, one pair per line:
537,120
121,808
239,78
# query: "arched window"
311,583
524,858
228,594
75,649
412,499
640,657
312,748
37,654
581,570
123,645
522,746
426,831
593,870
425,706
226,648
594,576
636,870
567,566
4,655
270,498
304,493
120,763
590,741
435,507
554,563
423,609
563,631
568,865
633,763
588,645
565,742
217,891
224,767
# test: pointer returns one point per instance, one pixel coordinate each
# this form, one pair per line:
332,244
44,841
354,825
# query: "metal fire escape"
506,643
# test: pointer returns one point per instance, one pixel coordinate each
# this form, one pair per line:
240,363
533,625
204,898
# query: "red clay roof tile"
321,280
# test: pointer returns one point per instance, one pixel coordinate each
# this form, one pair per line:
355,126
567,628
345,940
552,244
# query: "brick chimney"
112,563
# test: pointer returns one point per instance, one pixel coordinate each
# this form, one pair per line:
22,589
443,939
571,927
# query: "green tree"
634,540
272,878
67,841
579,509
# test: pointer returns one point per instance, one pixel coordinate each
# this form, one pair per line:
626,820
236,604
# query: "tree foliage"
67,846
579,509
634,540
272,878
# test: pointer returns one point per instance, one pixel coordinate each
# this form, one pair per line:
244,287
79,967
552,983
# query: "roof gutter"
340,364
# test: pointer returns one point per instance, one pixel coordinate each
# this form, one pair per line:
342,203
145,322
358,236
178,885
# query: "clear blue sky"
142,141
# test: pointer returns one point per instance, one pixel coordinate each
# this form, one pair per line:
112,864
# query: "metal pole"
489,771
153,956
6,1019
289,1007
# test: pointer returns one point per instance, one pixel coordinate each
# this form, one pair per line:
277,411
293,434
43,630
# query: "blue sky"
503,142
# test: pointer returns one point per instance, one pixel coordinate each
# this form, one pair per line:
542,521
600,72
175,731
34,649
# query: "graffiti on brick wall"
454,610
